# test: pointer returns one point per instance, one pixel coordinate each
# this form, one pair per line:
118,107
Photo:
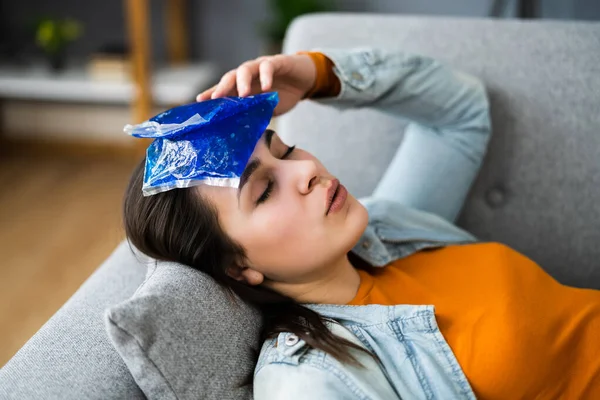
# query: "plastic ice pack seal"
209,142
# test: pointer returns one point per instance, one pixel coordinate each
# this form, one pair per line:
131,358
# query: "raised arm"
446,140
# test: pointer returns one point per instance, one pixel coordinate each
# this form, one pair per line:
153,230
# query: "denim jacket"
412,208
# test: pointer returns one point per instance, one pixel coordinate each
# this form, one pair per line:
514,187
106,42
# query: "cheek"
281,222
280,235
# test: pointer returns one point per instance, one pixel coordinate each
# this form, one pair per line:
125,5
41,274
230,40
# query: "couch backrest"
539,188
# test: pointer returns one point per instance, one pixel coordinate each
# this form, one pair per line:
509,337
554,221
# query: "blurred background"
73,73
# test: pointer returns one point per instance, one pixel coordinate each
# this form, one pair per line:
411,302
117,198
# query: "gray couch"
538,191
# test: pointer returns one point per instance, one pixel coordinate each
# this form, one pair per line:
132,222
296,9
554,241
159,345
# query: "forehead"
225,198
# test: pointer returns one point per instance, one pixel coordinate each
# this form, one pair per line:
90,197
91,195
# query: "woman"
294,242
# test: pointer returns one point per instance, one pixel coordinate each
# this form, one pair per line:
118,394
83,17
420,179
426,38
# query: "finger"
266,69
226,85
244,78
279,61
206,94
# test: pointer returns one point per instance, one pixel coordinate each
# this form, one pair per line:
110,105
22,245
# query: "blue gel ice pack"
209,142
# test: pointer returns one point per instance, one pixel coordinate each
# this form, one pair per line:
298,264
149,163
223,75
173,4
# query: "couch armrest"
70,357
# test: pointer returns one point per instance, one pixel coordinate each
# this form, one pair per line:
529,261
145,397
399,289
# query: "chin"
356,221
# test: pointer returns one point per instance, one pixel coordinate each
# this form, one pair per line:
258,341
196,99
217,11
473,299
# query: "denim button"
357,76
495,197
291,340
366,244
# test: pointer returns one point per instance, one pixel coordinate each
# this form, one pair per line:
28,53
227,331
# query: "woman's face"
281,215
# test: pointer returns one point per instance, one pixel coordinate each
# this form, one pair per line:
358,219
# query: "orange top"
516,332
326,83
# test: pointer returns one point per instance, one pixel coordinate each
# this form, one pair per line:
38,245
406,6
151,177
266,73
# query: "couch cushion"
70,357
183,338
539,187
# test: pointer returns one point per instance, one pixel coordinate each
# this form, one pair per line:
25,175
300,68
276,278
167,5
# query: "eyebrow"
254,164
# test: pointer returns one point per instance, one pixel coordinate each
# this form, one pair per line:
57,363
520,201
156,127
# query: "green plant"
52,36
284,11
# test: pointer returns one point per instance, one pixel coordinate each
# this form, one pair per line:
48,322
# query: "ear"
246,274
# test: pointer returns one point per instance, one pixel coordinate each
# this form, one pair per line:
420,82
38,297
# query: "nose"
307,175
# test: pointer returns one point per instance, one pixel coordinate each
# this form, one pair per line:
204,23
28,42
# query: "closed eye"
288,152
263,197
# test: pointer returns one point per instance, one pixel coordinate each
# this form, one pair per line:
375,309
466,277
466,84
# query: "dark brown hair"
180,225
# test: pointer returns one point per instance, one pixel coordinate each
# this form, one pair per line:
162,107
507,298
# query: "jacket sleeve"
449,123
280,381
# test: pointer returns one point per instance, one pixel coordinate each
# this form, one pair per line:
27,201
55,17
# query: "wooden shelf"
147,87
169,85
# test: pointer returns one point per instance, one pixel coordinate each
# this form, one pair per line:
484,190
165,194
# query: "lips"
336,196
335,184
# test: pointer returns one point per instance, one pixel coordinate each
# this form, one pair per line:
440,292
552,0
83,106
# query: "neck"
338,285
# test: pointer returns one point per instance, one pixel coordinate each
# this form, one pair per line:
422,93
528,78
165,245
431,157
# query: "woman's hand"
292,76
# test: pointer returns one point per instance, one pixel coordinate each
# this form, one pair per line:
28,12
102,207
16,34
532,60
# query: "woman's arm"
446,140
